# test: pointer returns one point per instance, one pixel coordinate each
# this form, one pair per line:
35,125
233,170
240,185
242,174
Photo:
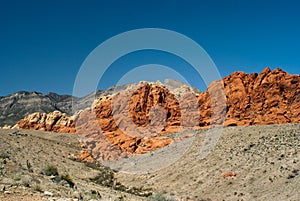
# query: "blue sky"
44,43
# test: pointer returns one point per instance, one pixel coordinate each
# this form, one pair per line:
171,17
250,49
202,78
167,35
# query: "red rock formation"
127,122
137,119
272,97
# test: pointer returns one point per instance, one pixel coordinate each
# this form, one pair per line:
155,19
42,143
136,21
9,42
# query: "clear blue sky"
43,43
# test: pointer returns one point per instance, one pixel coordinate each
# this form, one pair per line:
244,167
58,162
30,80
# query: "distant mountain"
16,106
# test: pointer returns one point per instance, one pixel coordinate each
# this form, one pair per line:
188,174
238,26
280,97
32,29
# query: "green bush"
68,179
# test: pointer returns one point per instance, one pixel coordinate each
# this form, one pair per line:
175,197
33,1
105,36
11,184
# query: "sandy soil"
247,163
24,156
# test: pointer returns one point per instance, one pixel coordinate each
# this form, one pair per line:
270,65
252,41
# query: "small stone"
76,194
2,187
173,193
48,193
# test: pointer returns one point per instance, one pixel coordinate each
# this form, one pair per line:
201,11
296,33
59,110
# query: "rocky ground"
37,165
248,163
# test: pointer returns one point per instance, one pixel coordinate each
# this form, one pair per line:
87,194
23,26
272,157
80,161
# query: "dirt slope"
26,158
248,163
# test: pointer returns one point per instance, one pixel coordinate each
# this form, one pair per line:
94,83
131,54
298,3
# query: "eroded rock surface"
54,121
271,97
138,119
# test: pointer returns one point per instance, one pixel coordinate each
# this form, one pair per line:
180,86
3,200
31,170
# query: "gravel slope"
25,156
248,163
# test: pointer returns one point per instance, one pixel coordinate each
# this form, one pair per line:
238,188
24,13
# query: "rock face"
271,97
131,121
137,119
54,121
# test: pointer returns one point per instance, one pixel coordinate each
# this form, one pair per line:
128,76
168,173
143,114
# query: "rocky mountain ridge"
138,119
17,106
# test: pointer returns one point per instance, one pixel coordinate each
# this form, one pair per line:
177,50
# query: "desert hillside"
248,163
36,165
239,140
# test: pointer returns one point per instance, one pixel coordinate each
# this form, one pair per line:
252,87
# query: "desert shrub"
50,170
120,198
25,183
104,178
38,188
68,179
29,166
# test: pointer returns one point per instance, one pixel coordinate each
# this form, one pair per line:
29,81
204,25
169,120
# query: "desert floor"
246,163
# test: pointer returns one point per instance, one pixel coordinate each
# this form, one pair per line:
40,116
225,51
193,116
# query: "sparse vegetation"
257,167
50,170
26,184
29,166
104,178
68,179
37,188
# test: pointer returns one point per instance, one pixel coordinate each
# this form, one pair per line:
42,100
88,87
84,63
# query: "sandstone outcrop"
136,120
271,97
54,121
131,121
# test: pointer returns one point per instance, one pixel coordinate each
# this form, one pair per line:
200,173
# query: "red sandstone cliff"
271,97
137,119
